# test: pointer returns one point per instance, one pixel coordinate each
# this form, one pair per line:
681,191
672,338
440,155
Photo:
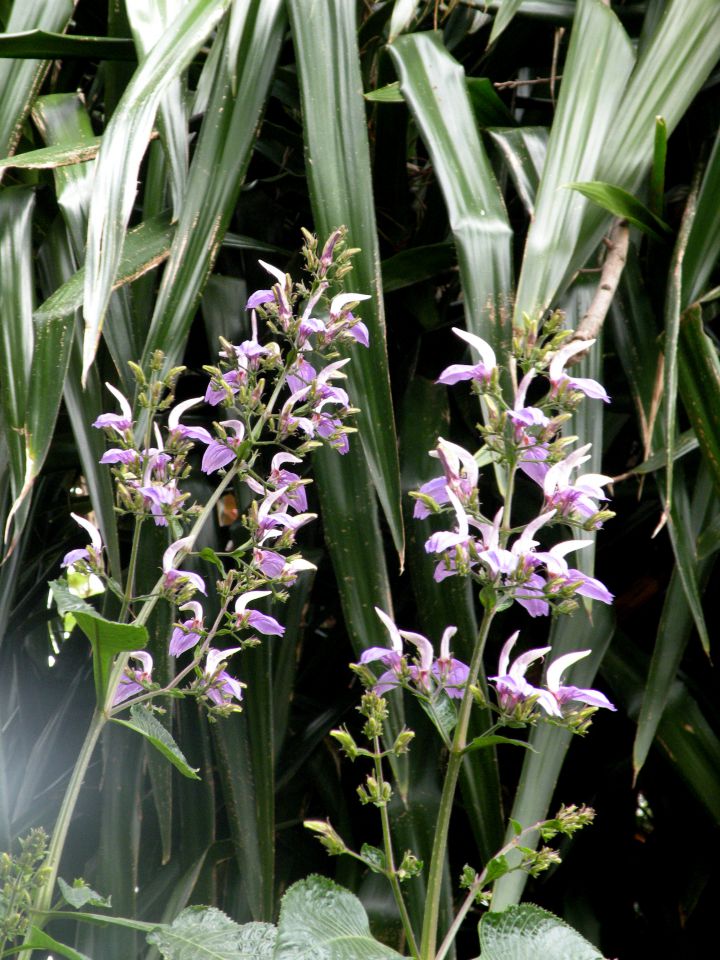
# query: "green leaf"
46,158
144,722
123,146
528,933
703,246
488,107
45,45
374,858
676,624
204,933
503,17
623,204
144,248
481,743
390,93
496,868
320,920
225,143
671,69
699,384
39,940
430,80
21,79
16,341
523,150
595,74
656,197
417,264
107,638
80,894
340,182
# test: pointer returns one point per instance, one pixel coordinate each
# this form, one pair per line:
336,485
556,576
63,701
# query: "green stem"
437,858
57,842
127,595
390,860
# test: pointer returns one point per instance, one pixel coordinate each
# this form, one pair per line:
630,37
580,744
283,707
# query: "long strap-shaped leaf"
338,170
596,70
20,79
703,247
433,83
670,71
221,158
16,329
121,152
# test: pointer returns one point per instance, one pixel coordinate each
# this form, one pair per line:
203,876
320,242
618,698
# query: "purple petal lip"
258,298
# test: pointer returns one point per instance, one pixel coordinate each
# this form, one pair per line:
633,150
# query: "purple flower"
179,430
118,422
562,575
294,490
163,499
280,291
278,523
480,372
392,658
134,681
522,416
222,452
561,381
574,499
217,391
93,552
566,694
450,674
258,298
187,634
461,476
175,579
253,618
219,686
510,684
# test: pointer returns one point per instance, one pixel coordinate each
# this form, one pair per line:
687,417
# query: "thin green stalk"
455,761
67,808
390,859
127,596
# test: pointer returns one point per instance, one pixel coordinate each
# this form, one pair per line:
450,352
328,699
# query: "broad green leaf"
46,45
145,247
703,246
507,11
340,182
431,80
37,939
320,920
20,79
205,933
16,339
48,157
623,204
595,74
106,637
523,149
144,722
79,894
482,743
529,933
123,146
224,147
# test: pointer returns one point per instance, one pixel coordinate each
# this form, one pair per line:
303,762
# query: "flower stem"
437,858
57,841
391,872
